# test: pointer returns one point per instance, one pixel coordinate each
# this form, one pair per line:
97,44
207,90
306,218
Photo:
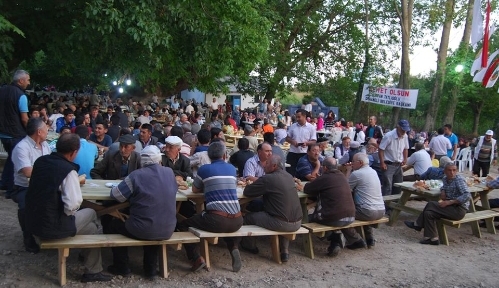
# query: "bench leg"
274,243
163,262
63,255
442,233
205,252
489,222
360,230
475,229
308,246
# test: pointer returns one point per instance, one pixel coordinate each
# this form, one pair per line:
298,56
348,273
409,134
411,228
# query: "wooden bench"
469,217
244,231
113,240
320,230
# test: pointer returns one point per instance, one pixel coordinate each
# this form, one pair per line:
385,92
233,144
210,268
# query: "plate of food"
111,184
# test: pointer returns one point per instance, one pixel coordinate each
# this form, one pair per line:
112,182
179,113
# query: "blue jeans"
19,196
8,169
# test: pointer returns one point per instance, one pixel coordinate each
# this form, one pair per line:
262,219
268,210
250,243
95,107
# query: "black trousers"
213,223
484,166
120,254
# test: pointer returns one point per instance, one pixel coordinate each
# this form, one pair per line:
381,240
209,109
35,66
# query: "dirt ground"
398,260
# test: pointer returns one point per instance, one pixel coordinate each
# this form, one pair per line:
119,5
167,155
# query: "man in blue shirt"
451,153
222,214
13,121
87,154
67,120
309,166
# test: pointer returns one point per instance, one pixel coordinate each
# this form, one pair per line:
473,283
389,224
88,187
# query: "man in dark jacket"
14,111
281,205
335,206
120,164
151,192
180,164
53,203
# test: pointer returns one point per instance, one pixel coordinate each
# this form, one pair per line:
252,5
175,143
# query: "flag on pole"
480,75
476,24
485,48
477,64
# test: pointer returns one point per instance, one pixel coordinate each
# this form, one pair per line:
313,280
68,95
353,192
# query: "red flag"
485,48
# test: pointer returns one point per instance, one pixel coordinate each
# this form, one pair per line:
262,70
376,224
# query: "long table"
96,190
478,192
198,199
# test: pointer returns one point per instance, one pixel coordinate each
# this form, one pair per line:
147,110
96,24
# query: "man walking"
300,135
485,154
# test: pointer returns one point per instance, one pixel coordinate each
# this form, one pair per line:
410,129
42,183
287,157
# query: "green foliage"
6,46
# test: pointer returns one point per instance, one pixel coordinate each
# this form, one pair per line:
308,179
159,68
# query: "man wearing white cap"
180,164
151,192
485,154
393,155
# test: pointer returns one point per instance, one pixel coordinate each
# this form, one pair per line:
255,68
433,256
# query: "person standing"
53,204
300,135
440,144
13,121
485,154
451,153
24,156
218,182
373,130
393,155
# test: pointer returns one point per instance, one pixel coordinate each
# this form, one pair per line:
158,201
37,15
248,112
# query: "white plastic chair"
463,159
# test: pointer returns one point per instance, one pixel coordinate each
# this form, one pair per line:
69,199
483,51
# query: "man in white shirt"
393,155
254,167
419,160
440,144
189,108
214,107
300,135
24,156
53,204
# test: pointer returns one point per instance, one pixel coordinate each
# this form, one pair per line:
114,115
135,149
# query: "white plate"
111,185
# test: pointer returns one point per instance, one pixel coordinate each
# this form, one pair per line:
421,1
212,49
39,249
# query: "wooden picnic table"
478,191
198,199
236,138
96,190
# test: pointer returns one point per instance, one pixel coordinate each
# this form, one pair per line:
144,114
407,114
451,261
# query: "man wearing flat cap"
180,164
119,164
393,155
485,154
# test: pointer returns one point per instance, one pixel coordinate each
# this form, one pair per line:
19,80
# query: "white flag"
479,76
477,63
476,24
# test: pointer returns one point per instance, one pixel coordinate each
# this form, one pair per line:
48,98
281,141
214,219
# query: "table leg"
394,215
304,209
489,222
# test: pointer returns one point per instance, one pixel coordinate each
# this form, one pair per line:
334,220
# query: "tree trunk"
449,118
431,113
365,68
462,52
405,16
477,110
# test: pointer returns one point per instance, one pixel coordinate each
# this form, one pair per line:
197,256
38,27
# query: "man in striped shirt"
218,182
